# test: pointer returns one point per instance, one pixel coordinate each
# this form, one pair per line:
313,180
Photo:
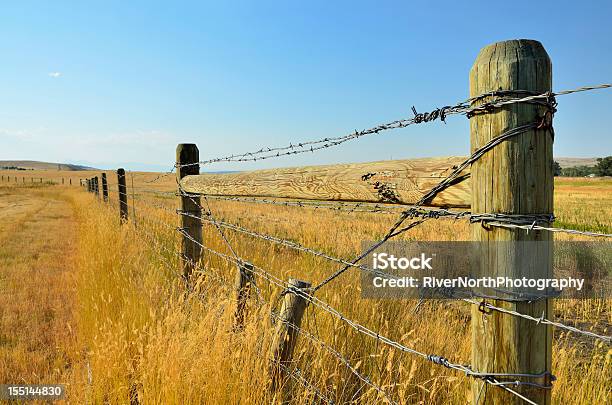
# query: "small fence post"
96,188
122,191
70,181
244,278
62,180
191,226
104,188
89,185
515,178
285,336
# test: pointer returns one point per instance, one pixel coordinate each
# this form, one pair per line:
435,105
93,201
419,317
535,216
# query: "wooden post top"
187,154
512,49
527,53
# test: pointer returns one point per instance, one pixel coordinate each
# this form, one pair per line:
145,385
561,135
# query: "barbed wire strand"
541,320
284,242
463,108
550,229
518,221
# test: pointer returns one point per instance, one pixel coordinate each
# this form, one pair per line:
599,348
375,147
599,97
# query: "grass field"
100,307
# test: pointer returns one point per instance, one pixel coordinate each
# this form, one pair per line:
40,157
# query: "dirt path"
37,236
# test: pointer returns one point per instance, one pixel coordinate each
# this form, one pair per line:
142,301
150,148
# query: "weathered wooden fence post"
122,191
96,187
187,160
289,318
514,178
89,185
244,278
104,188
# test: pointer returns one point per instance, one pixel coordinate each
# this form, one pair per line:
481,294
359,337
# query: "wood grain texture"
514,178
393,181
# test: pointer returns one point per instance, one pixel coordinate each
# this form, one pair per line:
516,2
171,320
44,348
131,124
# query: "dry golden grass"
37,285
138,334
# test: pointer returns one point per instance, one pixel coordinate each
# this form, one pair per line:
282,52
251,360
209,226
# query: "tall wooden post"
283,345
516,177
122,191
188,154
89,185
244,278
104,188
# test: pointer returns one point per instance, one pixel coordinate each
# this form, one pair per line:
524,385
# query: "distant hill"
566,162
35,165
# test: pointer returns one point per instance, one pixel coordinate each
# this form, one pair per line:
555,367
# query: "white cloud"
55,75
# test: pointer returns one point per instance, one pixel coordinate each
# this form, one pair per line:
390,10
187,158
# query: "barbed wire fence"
408,218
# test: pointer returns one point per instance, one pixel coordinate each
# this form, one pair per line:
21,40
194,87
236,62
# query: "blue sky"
111,83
